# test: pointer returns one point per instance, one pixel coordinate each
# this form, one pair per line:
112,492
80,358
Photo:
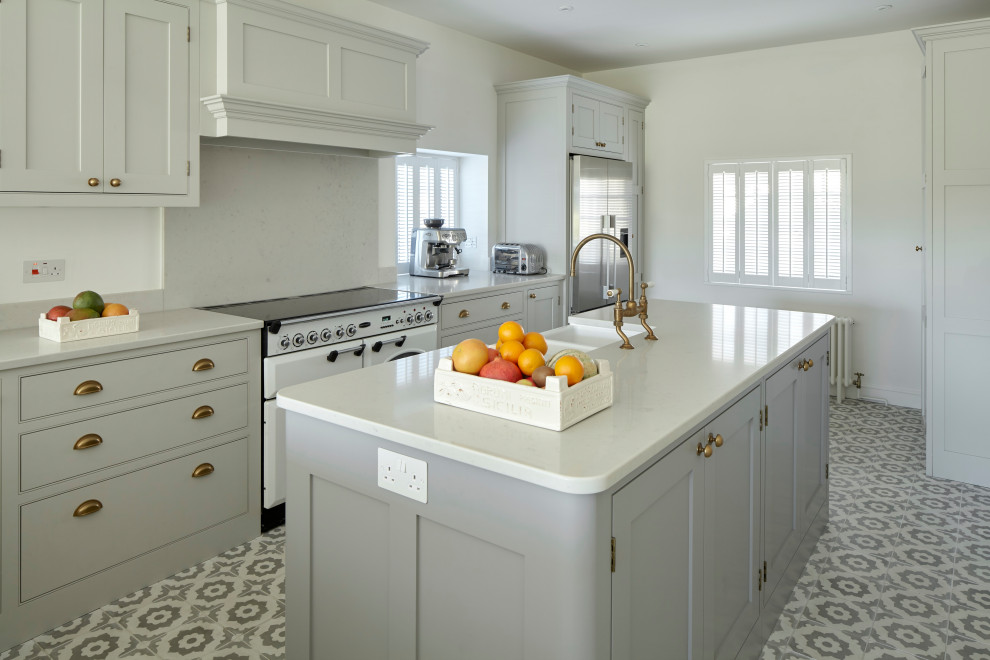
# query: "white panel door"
657,585
611,128
584,122
146,109
51,108
959,310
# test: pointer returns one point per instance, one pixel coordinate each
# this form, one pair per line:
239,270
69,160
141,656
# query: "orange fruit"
511,331
571,367
529,360
535,340
115,309
511,350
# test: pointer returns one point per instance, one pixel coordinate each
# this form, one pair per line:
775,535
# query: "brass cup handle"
88,387
93,182
716,438
463,314
705,449
202,470
204,364
532,295
87,508
87,441
203,412
115,183
505,305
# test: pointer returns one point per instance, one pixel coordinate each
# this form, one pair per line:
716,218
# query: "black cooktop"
318,304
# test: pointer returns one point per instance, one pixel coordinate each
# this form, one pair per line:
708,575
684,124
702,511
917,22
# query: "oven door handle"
333,355
398,341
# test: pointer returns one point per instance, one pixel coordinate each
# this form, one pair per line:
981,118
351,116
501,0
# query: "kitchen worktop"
706,357
23,347
474,283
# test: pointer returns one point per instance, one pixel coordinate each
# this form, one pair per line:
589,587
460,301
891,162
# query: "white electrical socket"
42,270
402,474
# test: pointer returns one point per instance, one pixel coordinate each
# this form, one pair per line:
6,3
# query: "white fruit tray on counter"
554,407
63,329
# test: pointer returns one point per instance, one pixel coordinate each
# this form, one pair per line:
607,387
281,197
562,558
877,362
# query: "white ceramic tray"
65,330
553,407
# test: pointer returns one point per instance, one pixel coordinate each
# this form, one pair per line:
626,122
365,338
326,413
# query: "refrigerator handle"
611,221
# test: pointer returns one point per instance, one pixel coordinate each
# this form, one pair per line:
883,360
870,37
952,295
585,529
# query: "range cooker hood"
279,76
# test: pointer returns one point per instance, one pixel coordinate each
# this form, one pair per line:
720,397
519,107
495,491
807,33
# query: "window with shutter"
425,187
779,222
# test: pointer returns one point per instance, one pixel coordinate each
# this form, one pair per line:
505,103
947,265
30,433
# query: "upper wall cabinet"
98,103
277,72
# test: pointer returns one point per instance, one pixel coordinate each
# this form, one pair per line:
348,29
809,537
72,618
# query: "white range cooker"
319,335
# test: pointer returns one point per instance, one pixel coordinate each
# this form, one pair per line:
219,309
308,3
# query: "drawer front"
460,314
141,511
486,333
74,449
73,389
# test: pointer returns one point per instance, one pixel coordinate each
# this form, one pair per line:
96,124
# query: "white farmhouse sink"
586,337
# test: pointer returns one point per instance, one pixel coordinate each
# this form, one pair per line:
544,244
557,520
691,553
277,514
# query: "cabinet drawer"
459,314
50,455
56,392
141,511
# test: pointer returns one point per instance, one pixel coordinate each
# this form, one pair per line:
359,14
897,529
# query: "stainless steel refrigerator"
603,200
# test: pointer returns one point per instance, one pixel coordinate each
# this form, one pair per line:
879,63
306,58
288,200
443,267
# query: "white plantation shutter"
724,209
756,224
425,187
827,238
782,223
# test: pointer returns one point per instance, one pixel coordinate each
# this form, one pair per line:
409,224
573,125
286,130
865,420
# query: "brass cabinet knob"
532,295
505,305
918,248
811,363
464,314
204,364
705,449
202,470
717,439
88,387
202,412
86,508
87,441
93,182
806,364
115,183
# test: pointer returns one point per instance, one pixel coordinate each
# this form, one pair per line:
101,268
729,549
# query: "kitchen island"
673,524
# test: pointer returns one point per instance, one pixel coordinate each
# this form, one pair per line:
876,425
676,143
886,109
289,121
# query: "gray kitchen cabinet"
812,461
120,469
99,103
544,309
694,593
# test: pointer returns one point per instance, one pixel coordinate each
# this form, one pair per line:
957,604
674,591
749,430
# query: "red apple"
492,354
57,311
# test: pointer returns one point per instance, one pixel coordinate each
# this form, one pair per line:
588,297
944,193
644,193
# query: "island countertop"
707,356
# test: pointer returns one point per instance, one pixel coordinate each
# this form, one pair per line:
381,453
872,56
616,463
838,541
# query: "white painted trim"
574,83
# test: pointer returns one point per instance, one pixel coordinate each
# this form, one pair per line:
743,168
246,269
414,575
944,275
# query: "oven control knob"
419,317
351,330
429,315
339,332
298,340
313,337
326,335
409,319
284,341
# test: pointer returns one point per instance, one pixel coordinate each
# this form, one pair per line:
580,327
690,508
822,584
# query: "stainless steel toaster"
518,259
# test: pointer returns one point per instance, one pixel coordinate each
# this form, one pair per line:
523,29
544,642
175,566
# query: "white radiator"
840,365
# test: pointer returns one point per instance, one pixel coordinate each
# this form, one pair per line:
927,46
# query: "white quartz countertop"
473,284
706,357
23,347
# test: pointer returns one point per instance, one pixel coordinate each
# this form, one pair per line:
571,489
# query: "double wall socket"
402,474
40,270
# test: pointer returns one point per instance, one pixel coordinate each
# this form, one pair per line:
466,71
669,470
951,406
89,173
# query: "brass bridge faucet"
629,308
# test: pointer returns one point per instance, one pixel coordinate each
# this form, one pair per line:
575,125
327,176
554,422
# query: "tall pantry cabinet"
957,232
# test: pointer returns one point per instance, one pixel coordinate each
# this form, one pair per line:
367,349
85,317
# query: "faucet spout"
622,246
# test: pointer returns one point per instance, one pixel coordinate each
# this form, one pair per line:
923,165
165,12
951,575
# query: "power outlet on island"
402,474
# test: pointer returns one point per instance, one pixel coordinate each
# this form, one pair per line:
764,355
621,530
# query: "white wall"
861,96
105,250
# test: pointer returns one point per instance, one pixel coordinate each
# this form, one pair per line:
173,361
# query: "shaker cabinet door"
51,105
146,111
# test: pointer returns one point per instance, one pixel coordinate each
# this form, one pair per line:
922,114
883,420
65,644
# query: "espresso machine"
434,250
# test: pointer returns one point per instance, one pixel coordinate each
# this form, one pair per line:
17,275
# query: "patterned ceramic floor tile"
907,576
268,638
95,621
972,596
152,620
965,649
824,642
880,652
969,624
919,639
109,643
29,650
192,640
836,612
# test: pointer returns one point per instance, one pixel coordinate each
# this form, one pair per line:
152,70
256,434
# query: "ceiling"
593,35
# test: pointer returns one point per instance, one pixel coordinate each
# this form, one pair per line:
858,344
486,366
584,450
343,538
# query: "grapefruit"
89,300
470,356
